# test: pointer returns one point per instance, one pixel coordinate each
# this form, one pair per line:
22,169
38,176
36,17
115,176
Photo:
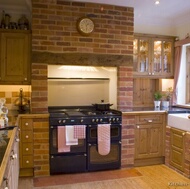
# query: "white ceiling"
168,12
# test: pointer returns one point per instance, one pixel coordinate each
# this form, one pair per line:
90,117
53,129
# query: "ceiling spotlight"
157,2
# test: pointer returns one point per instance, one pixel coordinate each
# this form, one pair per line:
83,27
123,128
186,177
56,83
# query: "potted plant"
167,97
157,99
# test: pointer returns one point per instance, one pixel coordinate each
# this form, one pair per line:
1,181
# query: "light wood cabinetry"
177,148
153,56
10,163
143,92
26,147
149,139
15,57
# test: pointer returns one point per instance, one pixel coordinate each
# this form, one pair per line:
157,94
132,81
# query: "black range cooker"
83,156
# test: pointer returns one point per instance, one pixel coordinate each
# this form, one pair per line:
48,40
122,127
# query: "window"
183,85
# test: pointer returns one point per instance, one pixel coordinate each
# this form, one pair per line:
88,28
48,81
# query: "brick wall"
41,145
55,40
54,27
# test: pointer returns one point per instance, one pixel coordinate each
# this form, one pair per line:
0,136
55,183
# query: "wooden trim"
182,42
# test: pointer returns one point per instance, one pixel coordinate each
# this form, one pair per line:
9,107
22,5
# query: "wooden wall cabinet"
177,147
149,139
153,56
15,56
143,92
26,147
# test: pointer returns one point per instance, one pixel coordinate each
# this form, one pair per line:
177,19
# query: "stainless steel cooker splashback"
81,85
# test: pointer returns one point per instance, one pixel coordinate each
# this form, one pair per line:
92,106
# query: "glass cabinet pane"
140,58
157,59
167,46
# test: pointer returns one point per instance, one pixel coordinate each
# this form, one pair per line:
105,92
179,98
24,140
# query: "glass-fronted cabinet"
153,56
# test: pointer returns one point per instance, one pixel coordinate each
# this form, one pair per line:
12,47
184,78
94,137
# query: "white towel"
70,140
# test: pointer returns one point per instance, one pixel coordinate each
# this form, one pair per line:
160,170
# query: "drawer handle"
27,136
26,124
27,161
183,134
138,126
149,120
27,149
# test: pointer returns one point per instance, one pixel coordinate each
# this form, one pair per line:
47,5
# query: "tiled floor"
85,177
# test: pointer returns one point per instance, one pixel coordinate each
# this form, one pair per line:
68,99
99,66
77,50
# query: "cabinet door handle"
183,134
26,123
27,136
27,161
17,140
149,120
14,156
138,127
27,149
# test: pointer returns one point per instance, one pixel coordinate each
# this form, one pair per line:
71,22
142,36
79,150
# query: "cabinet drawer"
27,161
26,124
27,148
144,119
27,136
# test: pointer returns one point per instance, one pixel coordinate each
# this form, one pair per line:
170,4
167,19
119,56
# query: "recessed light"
157,2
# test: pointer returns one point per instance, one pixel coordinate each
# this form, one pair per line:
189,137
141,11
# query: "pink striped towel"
80,131
104,139
61,136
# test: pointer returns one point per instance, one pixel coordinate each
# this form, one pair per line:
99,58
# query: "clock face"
85,26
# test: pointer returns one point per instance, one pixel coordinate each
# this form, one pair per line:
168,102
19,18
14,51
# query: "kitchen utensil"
102,106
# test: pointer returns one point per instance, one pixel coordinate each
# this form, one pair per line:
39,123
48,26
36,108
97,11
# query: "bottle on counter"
3,20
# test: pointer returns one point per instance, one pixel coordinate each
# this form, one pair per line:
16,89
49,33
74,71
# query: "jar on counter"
23,23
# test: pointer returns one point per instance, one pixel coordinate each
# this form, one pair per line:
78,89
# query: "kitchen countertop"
171,109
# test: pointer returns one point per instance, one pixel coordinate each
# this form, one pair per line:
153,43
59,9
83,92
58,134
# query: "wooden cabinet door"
15,53
143,92
148,141
153,56
177,148
156,140
142,141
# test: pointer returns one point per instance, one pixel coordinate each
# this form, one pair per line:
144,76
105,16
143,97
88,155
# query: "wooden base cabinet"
149,139
177,146
11,163
26,147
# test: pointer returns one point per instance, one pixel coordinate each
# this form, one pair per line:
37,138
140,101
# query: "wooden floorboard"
149,177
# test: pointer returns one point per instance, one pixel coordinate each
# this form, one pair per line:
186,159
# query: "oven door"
81,147
110,161
115,132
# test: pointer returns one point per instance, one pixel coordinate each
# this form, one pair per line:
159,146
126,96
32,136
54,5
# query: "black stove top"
80,111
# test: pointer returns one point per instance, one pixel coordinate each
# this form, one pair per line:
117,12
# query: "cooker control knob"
59,121
113,119
97,120
63,121
81,120
93,120
117,119
109,119
101,120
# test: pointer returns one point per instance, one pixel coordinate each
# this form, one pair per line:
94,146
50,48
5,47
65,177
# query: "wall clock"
85,26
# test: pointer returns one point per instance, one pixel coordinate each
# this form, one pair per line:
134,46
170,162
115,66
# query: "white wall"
179,28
